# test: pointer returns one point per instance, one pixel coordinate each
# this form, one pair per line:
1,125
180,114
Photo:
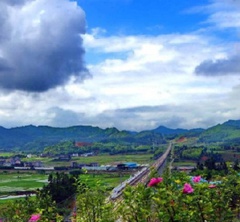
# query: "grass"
26,181
31,181
21,181
184,163
108,180
111,159
103,159
6,154
5,201
10,182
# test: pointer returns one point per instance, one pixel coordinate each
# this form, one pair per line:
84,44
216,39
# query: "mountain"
167,131
27,137
171,133
38,137
233,123
226,132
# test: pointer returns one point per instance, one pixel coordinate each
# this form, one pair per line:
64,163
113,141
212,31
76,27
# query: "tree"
61,186
93,205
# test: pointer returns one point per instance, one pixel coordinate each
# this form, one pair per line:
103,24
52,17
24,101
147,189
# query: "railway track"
140,177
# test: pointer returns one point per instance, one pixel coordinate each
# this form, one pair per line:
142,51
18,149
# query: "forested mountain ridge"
228,132
38,137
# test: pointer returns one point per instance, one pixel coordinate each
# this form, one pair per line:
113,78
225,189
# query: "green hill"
226,132
36,138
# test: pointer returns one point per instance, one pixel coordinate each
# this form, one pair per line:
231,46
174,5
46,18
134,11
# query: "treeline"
53,201
196,153
69,147
189,153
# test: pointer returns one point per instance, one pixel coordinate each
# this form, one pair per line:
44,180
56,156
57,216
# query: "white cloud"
139,82
224,14
155,72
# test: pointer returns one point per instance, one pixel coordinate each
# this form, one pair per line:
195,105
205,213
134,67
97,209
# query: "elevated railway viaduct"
141,176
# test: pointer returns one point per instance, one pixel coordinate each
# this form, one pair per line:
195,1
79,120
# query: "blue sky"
130,64
143,17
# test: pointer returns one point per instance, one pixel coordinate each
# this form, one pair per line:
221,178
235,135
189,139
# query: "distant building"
75,155
27,164
46,155
131,165
64,157
87,154
37,164
15,161
33,164
74,165
204,158
2,162
128,165
93,164
82,144
185,168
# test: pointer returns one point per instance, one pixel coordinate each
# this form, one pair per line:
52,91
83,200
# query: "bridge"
141,176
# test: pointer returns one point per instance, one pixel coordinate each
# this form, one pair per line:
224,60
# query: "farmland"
10,182
103,159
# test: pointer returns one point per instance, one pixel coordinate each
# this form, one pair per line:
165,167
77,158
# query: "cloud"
40,44
185,116
224,13
15,2
229,66
62,117
140,82
224,19
221,14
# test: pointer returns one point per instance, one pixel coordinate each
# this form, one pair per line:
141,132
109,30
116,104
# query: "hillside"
38,137
226,132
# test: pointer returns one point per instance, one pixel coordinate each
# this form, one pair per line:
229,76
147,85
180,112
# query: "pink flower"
187,188
155,181
196,179
34,217
211,186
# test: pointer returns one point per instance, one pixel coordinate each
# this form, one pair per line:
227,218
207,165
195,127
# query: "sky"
129,64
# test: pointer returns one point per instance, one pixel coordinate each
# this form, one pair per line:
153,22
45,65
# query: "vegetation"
93,206
35,139
111,148
51,201
101,159
109,181
175,197
11,183
178,198
227,132
210,193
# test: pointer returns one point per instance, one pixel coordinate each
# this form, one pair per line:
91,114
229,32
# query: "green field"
108,180
6,154
104,159
10,182
26,181
21,181
111,159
